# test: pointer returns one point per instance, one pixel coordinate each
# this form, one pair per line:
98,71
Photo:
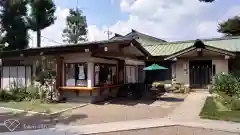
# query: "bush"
22,93
5,96
158,83
211,89
36,91
33,92
228,84
233,103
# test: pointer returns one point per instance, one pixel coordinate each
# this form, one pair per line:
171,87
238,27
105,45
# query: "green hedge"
231,103
21,94
211,111
228,84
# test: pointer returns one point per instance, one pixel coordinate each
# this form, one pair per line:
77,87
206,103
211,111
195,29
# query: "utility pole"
109,33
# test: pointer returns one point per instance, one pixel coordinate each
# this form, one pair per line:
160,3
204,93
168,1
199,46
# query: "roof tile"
231,44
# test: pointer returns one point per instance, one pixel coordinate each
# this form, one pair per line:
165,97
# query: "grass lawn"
216,111
37,106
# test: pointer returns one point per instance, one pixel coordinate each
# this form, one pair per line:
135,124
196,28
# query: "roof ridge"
222,38
189,41
137,32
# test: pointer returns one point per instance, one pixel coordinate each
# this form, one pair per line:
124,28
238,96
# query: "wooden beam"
121,46
114,54
202,57
59,73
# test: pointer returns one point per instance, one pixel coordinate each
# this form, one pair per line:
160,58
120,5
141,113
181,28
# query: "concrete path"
184,115
129,125
191,107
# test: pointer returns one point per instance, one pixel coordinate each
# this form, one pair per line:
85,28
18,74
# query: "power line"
51,40
109,33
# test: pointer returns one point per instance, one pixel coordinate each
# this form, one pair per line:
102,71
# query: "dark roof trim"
52,50
203,40
116,36
141,48
220,51
179,53
135,34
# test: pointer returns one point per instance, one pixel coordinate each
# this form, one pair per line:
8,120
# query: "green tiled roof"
162,49
166,49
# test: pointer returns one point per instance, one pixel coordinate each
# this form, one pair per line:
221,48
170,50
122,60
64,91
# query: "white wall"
182,75
221,65
134,62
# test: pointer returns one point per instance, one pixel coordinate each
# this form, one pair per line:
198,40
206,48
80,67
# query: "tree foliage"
13,24
76,29
41,16
231,27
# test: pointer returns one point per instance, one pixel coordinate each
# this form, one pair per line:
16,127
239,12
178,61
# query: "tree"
231,27
41,16
76,29
13,24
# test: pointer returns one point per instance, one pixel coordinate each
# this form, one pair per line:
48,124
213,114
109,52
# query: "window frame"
107,64
85,71
135,74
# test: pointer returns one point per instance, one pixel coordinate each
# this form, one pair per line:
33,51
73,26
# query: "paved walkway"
189,110
185,115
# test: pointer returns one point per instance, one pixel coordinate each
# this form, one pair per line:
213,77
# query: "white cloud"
233,11
96,34
161,18
172,20
207,29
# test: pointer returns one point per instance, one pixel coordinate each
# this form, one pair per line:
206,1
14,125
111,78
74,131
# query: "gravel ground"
122,110
117,110
171,130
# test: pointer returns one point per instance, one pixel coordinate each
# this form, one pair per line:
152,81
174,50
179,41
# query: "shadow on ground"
133,102
172,99
36,121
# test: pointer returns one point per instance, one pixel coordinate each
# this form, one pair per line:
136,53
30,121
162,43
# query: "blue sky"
167,19
98,12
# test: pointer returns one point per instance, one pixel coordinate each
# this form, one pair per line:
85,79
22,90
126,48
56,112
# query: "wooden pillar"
1,77
59,73
121,73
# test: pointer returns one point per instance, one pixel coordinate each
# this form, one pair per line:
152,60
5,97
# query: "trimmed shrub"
228,84
29,93
33,92
5,96
233,103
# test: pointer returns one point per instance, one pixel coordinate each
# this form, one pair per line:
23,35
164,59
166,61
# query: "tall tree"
41,16
231,27
76,29
13,23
